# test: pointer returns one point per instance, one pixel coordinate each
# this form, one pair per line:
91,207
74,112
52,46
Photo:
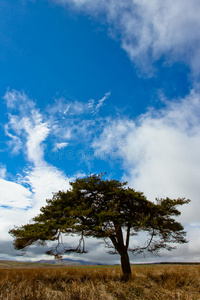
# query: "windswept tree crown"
106,209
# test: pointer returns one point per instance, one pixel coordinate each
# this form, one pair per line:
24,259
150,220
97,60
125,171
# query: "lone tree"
105,209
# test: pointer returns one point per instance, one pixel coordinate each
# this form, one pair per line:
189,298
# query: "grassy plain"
160,282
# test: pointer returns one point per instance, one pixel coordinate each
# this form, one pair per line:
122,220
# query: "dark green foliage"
104,209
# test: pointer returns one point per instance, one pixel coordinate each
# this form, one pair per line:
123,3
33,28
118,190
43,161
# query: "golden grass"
148,282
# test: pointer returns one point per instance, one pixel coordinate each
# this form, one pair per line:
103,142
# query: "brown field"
92,283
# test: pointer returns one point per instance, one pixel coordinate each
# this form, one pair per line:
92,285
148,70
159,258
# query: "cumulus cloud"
159,151
22,200
43,182
14,195
150,30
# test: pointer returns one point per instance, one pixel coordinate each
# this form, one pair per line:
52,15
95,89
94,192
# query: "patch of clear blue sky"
49,52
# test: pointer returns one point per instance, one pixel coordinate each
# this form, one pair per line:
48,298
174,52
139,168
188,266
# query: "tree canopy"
105,209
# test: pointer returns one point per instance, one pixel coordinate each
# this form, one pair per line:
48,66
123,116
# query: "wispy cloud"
74,120
150,30
64,108
3,171
17,101
101,102
59,146
26,127
29,130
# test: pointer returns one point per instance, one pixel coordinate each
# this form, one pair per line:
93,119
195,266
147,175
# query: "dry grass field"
105,283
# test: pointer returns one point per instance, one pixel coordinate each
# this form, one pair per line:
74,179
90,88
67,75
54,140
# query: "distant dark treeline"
169,263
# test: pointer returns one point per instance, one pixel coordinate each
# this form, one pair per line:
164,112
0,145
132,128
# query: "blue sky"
99,86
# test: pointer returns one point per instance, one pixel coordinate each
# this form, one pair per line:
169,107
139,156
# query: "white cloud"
3,171
19,204
44,181
37,133
101,102
74,121
159,151
160,156
59,146
22,198
18,101
150,30
26,127
15,143
66,109
14,195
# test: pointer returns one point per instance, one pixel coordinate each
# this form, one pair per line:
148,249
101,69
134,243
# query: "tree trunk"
125,264
118,243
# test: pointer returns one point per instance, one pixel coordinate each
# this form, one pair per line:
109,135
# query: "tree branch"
119,234
115,243
141,249
128,235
